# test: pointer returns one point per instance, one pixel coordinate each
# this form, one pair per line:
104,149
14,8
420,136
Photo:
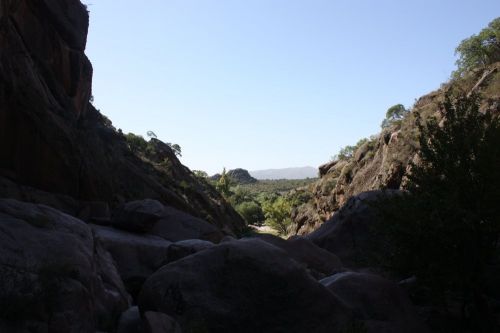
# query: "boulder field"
61,274
97,236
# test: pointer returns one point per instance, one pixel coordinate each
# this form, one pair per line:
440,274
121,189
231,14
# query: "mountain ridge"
285,173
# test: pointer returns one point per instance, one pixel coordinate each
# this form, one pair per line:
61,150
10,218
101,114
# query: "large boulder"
380,305
53,275
130,321
157,322
242,286
137,256
181,249
351,233
317,261
137,216
175,225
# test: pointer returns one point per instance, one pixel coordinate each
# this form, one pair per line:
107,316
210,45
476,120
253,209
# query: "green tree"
347,152
200,174
224,184
240,195
446,230
479,50
136,143
277,213
393,114
175,148
251,212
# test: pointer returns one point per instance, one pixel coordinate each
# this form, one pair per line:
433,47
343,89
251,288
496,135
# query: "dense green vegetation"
268,202
445,230
347,152
279,186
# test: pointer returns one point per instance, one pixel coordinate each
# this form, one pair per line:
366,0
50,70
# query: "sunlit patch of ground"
264,229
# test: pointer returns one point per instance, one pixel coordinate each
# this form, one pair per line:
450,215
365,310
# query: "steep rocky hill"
383,161
56,147
237,176
241,176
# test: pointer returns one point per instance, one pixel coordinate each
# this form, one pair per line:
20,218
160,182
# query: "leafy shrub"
175,148
347,152
200,174
239,195
136,143
277,213
446,230
251,212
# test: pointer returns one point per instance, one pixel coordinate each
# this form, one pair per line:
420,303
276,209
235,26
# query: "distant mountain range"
286,173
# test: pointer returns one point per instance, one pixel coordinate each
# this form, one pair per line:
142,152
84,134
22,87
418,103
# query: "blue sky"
264,84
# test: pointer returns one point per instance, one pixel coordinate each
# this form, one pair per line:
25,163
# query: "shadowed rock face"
350,233
52,139
381,305
54,276
242,286
317,261
384,161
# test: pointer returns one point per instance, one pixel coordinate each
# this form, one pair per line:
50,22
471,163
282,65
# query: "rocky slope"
383,161
56,148
165,265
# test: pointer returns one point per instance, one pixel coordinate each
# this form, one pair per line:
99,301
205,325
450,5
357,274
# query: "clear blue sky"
270,83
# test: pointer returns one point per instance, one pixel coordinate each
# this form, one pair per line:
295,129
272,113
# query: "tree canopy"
446,230
393,114
479,50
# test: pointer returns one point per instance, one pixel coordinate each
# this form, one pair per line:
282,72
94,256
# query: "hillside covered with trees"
384,160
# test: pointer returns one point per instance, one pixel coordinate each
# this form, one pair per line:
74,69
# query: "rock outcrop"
241,176
318,262
242,286
351,233
236,176
54,140
380,305
384,160
54,276
136,256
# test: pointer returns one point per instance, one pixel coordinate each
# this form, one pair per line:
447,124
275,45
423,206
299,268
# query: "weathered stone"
317,261
130,321
242,286
137,216
95,212
176,225
181,249
350,233
157,322
380,304
137,256
53,274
